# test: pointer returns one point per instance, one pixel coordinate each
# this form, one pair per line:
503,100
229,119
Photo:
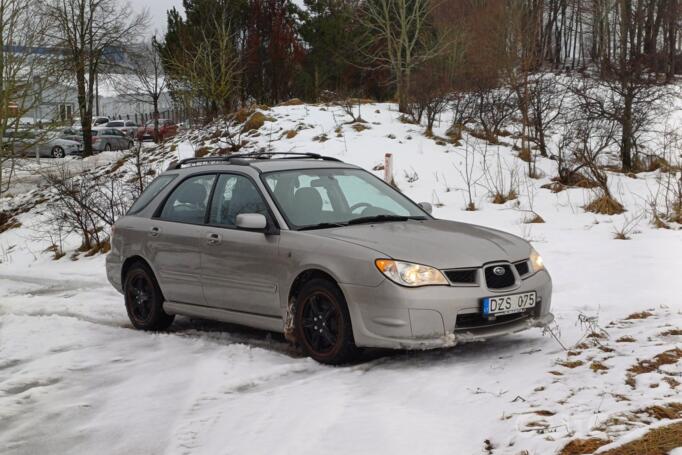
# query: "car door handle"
213,238
154,232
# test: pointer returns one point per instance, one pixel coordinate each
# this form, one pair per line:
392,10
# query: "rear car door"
176,238
239,267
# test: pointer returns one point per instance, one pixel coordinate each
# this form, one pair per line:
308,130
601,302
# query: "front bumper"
392,316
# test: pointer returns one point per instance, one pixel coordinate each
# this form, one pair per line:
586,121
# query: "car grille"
522,268
462,276
476,320
494,281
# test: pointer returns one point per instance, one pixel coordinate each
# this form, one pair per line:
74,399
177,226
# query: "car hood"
438,243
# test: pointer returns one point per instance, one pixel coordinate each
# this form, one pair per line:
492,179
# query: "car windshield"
320,198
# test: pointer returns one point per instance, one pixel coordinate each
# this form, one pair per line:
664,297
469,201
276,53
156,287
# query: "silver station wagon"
322,251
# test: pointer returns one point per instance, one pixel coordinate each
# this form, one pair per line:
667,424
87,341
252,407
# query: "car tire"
323,324
131,144
58,152
144,300
107,148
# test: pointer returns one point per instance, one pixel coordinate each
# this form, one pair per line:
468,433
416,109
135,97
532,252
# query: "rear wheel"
107,148
144,300
58,152
323,324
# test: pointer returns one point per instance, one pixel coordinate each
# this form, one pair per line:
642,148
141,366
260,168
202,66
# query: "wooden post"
388,169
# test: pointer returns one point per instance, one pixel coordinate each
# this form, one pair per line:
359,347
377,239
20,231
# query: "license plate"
508,304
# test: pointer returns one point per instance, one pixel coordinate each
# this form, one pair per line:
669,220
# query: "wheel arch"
132,260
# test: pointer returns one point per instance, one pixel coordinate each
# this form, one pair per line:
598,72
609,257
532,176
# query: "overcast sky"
157,12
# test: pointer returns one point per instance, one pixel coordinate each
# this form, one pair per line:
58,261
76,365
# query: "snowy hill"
76,377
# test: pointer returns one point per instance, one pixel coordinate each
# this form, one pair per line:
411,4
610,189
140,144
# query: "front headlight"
536,261
408,274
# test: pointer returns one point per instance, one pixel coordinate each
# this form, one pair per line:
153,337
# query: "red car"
167,128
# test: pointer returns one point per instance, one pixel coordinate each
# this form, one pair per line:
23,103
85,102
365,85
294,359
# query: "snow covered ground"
76,378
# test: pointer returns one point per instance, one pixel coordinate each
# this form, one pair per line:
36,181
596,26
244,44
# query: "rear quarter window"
150,193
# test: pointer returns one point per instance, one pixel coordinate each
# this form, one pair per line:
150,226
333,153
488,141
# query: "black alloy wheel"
143,299
323,323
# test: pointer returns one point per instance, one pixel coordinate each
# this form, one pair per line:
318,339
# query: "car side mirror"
251,221
426,206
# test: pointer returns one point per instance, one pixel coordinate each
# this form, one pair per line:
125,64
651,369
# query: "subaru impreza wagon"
322,251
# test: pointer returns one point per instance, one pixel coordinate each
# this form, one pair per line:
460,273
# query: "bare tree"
400,38
23,77
208,70
93,34
143,80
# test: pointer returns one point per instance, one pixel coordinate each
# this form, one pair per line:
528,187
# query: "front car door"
176,238
239,267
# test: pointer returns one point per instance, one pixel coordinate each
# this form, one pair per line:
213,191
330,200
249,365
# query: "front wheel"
144,300
107,148
58,152
323,325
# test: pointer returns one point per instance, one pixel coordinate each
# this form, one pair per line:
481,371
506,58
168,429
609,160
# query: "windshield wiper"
382,218
321,226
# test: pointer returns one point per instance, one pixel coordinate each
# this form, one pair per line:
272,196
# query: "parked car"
167,129
96,121
26,142
106,139
128,127
71,134
322,251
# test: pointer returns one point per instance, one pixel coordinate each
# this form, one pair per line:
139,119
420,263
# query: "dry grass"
525,155
605,205
648,365
571,363
672,382
359,127
8,221
544,413
667,411
254,122
103,248
290,134
672,332
202,152
658,222
583,446
321,138
597,366
117,165
658,441
499,198
291,102
640,315
626,339
242,114
535,219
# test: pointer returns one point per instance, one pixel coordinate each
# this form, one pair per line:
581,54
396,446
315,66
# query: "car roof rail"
242,159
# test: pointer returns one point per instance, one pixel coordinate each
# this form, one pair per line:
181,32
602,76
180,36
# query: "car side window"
187,203
150,193
235,194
